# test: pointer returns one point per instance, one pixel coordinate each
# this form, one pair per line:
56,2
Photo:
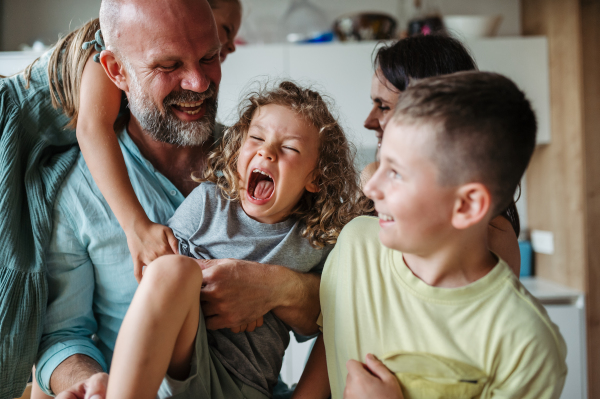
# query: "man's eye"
384,109
211,58
168,68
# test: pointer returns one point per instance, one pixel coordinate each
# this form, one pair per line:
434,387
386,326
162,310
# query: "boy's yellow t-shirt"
488,339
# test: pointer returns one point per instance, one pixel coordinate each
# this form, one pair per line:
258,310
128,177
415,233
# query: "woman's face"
228,16
384,96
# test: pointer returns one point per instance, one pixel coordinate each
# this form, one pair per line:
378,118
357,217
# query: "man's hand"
248,327
92,388
372,379
235,292
238,292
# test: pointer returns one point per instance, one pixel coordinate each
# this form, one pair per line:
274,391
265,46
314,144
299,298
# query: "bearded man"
161,54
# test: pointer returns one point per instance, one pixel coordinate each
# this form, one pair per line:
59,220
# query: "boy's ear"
473,203
114,69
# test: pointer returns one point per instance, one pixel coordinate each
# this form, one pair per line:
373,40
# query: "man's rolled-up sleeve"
69,322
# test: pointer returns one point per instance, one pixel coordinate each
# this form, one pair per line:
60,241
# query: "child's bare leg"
36,391
159,330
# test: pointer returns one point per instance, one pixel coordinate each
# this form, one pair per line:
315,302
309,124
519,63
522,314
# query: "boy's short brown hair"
484,127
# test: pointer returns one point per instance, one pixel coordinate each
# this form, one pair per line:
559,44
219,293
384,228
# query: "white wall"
24,21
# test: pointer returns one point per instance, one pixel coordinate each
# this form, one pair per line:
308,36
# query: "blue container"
526,258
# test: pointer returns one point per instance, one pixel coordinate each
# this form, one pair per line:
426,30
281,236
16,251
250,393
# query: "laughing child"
277,191
417,293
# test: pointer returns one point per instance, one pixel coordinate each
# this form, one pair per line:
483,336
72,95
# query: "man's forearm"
297,300
73,370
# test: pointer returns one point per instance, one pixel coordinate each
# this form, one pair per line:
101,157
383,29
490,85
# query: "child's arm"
371,379
99,104
314,382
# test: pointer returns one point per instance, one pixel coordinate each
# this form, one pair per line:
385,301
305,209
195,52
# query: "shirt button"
173,192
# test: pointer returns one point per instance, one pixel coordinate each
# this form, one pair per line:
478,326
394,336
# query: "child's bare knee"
174,270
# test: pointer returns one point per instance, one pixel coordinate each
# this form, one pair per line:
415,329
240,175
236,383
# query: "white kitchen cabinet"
344,70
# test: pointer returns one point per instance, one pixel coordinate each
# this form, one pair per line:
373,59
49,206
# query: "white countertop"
549,292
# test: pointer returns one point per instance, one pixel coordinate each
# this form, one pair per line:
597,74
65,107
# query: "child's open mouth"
261,186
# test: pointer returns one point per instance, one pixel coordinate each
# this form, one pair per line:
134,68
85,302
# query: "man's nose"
195,79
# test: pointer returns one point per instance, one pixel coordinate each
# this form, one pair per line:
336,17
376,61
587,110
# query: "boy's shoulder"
363,228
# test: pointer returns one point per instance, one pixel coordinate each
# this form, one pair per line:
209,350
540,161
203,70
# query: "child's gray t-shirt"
208,226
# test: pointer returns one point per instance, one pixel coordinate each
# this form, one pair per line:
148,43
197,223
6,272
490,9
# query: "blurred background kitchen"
550,48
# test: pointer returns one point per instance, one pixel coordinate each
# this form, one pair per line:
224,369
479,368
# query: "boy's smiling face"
415,211
277,162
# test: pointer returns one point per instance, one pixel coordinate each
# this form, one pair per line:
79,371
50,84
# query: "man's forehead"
168,28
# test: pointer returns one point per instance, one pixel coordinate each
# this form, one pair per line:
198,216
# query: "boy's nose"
372,188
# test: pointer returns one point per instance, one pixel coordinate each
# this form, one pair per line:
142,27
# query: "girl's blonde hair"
339,198
65,69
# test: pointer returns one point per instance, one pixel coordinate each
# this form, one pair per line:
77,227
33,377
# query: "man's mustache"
188,96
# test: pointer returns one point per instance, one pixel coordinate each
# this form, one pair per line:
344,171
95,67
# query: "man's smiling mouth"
189,108
261,185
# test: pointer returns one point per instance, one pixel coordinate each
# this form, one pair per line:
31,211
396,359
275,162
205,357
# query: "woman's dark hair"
424,56
419,57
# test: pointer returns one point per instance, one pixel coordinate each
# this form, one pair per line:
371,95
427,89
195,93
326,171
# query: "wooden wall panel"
555,177
564,176
590,12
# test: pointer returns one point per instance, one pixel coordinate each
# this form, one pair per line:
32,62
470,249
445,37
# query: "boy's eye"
394,175
256,138
292,148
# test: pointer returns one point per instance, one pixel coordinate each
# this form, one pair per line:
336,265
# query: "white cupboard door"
525,61
343,72
244,70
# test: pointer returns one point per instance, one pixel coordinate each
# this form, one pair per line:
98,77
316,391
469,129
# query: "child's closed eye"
292,149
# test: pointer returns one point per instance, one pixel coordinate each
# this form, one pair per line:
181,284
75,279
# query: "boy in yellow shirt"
417,293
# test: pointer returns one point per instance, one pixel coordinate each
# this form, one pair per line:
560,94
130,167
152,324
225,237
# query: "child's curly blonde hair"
339,198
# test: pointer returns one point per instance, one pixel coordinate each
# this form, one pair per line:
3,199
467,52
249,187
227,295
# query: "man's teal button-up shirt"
90,270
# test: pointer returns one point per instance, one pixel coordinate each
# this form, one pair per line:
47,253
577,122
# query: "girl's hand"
148,241
248,327
371,380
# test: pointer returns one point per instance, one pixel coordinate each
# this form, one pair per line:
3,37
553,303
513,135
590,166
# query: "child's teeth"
385,217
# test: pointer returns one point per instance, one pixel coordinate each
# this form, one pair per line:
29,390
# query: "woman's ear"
473,203
114,69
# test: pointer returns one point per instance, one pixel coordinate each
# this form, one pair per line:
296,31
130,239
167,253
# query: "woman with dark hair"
419,57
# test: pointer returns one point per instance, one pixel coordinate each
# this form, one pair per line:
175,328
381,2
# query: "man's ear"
473,203
114,69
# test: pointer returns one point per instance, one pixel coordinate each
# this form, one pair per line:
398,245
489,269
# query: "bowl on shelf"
365,26
472,26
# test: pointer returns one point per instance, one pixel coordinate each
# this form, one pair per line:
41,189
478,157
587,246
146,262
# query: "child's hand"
148,242
371,380
248,327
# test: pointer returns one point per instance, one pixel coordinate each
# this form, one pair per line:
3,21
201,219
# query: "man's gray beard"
167,127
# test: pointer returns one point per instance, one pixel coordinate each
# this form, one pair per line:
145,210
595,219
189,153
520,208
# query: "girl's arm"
99,104
314,382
